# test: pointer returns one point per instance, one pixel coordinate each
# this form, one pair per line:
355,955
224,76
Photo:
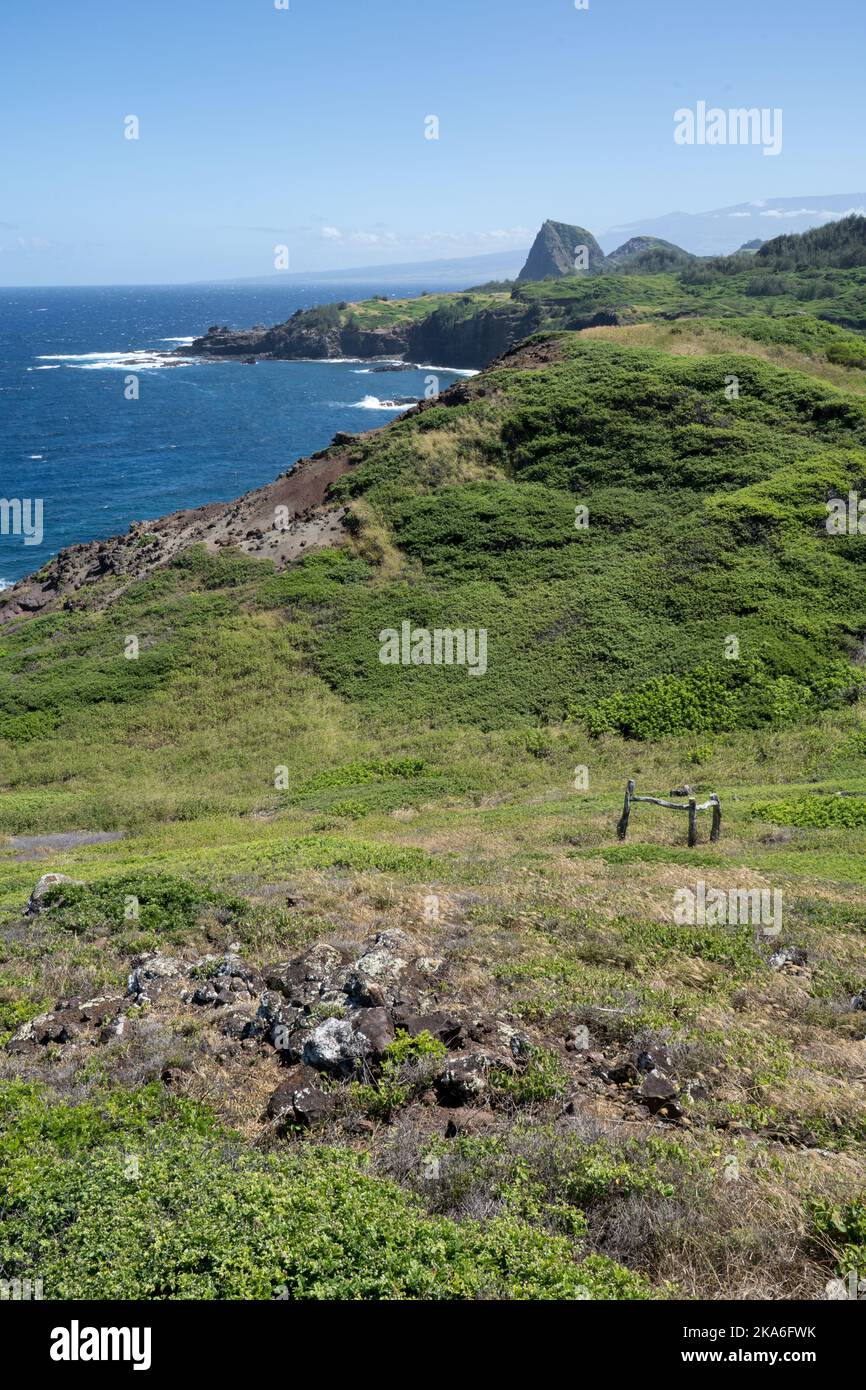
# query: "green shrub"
364,771
542,1077
152,903
405,1071
718,698
140,1196
820,812
841,1231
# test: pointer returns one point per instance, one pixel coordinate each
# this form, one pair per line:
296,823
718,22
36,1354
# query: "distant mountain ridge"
455,272
721,231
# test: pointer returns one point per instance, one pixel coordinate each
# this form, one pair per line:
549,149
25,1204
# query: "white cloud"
28,244
373,238
813,212
465,241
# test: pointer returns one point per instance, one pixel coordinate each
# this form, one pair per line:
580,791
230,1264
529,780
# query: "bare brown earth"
250,523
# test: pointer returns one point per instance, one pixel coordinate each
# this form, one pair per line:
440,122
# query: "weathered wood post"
622,828
693,821
717,819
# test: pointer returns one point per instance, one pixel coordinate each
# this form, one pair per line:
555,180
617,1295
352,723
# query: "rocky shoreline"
468,343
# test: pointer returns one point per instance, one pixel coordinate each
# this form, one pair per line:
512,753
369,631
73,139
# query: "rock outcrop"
305,1030
647,255
556,252
471,341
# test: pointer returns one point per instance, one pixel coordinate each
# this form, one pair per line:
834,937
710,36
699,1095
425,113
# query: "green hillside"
635,517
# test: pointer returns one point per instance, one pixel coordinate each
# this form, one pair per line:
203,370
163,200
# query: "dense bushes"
820,812
155,903
141,1196
716,698
841,244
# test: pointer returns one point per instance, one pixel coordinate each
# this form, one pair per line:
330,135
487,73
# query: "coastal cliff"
466,331
469,341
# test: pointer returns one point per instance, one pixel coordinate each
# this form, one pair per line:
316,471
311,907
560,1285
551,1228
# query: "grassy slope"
831,296
705,519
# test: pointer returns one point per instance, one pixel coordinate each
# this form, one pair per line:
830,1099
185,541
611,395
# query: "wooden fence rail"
691,806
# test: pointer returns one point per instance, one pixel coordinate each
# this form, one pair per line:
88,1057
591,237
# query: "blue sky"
305,127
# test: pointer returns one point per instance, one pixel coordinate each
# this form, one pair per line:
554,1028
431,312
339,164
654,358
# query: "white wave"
6,584
373,403
127,366
184,341
455,371
37,456
55,367
138,360
362,371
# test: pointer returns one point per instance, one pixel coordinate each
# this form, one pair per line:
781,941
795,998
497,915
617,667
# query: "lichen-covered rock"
102,1009
296,1078
305,979
313,1106
787,956
37,902
335,1046
237,1023
300,1098
384,971
149,976
464,1079
68,1020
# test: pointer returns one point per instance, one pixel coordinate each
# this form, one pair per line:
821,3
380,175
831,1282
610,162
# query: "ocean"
72,436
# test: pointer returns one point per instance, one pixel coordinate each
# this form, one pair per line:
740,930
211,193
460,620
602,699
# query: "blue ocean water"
198,432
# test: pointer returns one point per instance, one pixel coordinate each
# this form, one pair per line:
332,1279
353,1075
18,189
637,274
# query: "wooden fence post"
717,819
693,821
622,828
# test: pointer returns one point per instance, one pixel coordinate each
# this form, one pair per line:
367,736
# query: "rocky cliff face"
555,249
471,342
298,338
468,342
